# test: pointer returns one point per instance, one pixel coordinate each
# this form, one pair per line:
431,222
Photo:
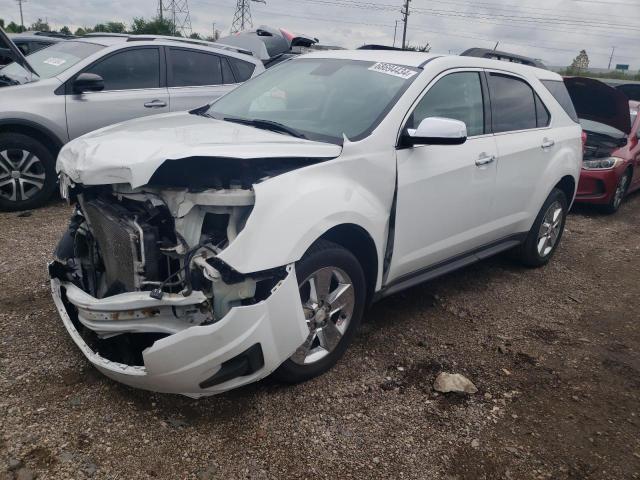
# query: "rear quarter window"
560,93
243,69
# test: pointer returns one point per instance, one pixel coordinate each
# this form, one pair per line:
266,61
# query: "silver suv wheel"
328,303
22,175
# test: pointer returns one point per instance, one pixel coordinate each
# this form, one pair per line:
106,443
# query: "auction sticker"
56,62
395,70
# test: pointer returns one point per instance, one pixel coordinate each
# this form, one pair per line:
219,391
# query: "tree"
80,31
195,36
110,27
65,30
426,48
157,26
1,22
581,62
13,27
40,26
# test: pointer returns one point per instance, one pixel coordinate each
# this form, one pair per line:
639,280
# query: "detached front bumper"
205,359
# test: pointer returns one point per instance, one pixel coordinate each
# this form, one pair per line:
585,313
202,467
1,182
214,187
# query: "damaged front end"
140,286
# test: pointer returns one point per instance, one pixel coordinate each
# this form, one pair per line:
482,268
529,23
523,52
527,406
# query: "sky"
551,30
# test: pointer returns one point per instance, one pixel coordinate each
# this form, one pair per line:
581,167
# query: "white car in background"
212,248
75,86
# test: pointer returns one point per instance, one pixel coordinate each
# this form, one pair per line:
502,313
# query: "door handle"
546,143
485,159
155,104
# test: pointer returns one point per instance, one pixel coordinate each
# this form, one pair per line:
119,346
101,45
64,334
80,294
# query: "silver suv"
70,88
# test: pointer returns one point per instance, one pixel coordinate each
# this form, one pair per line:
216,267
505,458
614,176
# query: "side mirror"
436,131
88,82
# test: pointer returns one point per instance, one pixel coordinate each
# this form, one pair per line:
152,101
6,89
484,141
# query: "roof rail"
504,56
193,41
106,34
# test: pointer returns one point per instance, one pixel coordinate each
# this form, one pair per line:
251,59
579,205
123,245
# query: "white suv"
75,86
212,248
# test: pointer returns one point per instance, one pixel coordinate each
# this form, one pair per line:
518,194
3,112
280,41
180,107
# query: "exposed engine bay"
162,243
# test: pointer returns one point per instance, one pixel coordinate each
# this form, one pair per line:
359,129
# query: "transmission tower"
242,16
178,12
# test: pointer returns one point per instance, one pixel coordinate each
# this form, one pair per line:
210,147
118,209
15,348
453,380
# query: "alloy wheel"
550,229
22,175
328,302
620,191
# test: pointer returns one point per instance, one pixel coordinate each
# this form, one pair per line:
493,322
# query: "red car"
611,165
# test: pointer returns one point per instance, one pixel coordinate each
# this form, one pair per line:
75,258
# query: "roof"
419,59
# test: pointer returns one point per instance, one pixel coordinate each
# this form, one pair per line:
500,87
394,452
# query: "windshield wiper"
267,125
9,80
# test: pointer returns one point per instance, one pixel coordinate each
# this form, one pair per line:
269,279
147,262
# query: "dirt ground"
554,352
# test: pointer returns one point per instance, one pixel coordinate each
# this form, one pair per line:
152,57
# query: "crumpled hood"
132,151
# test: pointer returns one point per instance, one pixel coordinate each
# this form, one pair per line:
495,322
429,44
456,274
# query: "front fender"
293,210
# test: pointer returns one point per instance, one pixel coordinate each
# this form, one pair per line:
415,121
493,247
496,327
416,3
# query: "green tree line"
154,26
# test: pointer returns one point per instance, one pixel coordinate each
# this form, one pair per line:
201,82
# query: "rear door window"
560,93
190,68
513,104
130,69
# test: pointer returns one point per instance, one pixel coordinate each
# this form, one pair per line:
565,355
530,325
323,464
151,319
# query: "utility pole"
405,14
20,2
394,33
160,11
611,58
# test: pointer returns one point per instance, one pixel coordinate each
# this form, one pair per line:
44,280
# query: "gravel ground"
554,352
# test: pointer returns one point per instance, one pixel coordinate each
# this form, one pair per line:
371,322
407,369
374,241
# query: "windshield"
51,61
323,99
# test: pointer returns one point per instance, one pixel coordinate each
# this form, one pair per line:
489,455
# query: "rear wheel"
27,172
618,196
332,291
545,234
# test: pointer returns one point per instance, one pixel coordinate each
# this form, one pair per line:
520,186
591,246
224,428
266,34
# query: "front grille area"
118,243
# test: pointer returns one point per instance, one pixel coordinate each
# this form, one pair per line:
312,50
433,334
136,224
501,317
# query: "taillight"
584,141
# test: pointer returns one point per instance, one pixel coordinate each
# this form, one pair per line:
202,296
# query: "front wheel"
332,291
618,196
545,234
27,172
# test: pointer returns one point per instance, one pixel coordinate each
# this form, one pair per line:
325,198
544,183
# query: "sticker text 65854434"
395,70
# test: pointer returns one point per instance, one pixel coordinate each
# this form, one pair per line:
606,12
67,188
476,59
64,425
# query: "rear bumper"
597,186
181,362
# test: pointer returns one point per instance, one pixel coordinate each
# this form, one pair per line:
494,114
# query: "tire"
27,172
621,191
322,261
532,252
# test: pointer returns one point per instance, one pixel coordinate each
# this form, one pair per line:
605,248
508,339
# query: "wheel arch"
567,185
42,134
360,243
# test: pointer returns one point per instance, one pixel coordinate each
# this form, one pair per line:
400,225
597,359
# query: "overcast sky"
552,30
